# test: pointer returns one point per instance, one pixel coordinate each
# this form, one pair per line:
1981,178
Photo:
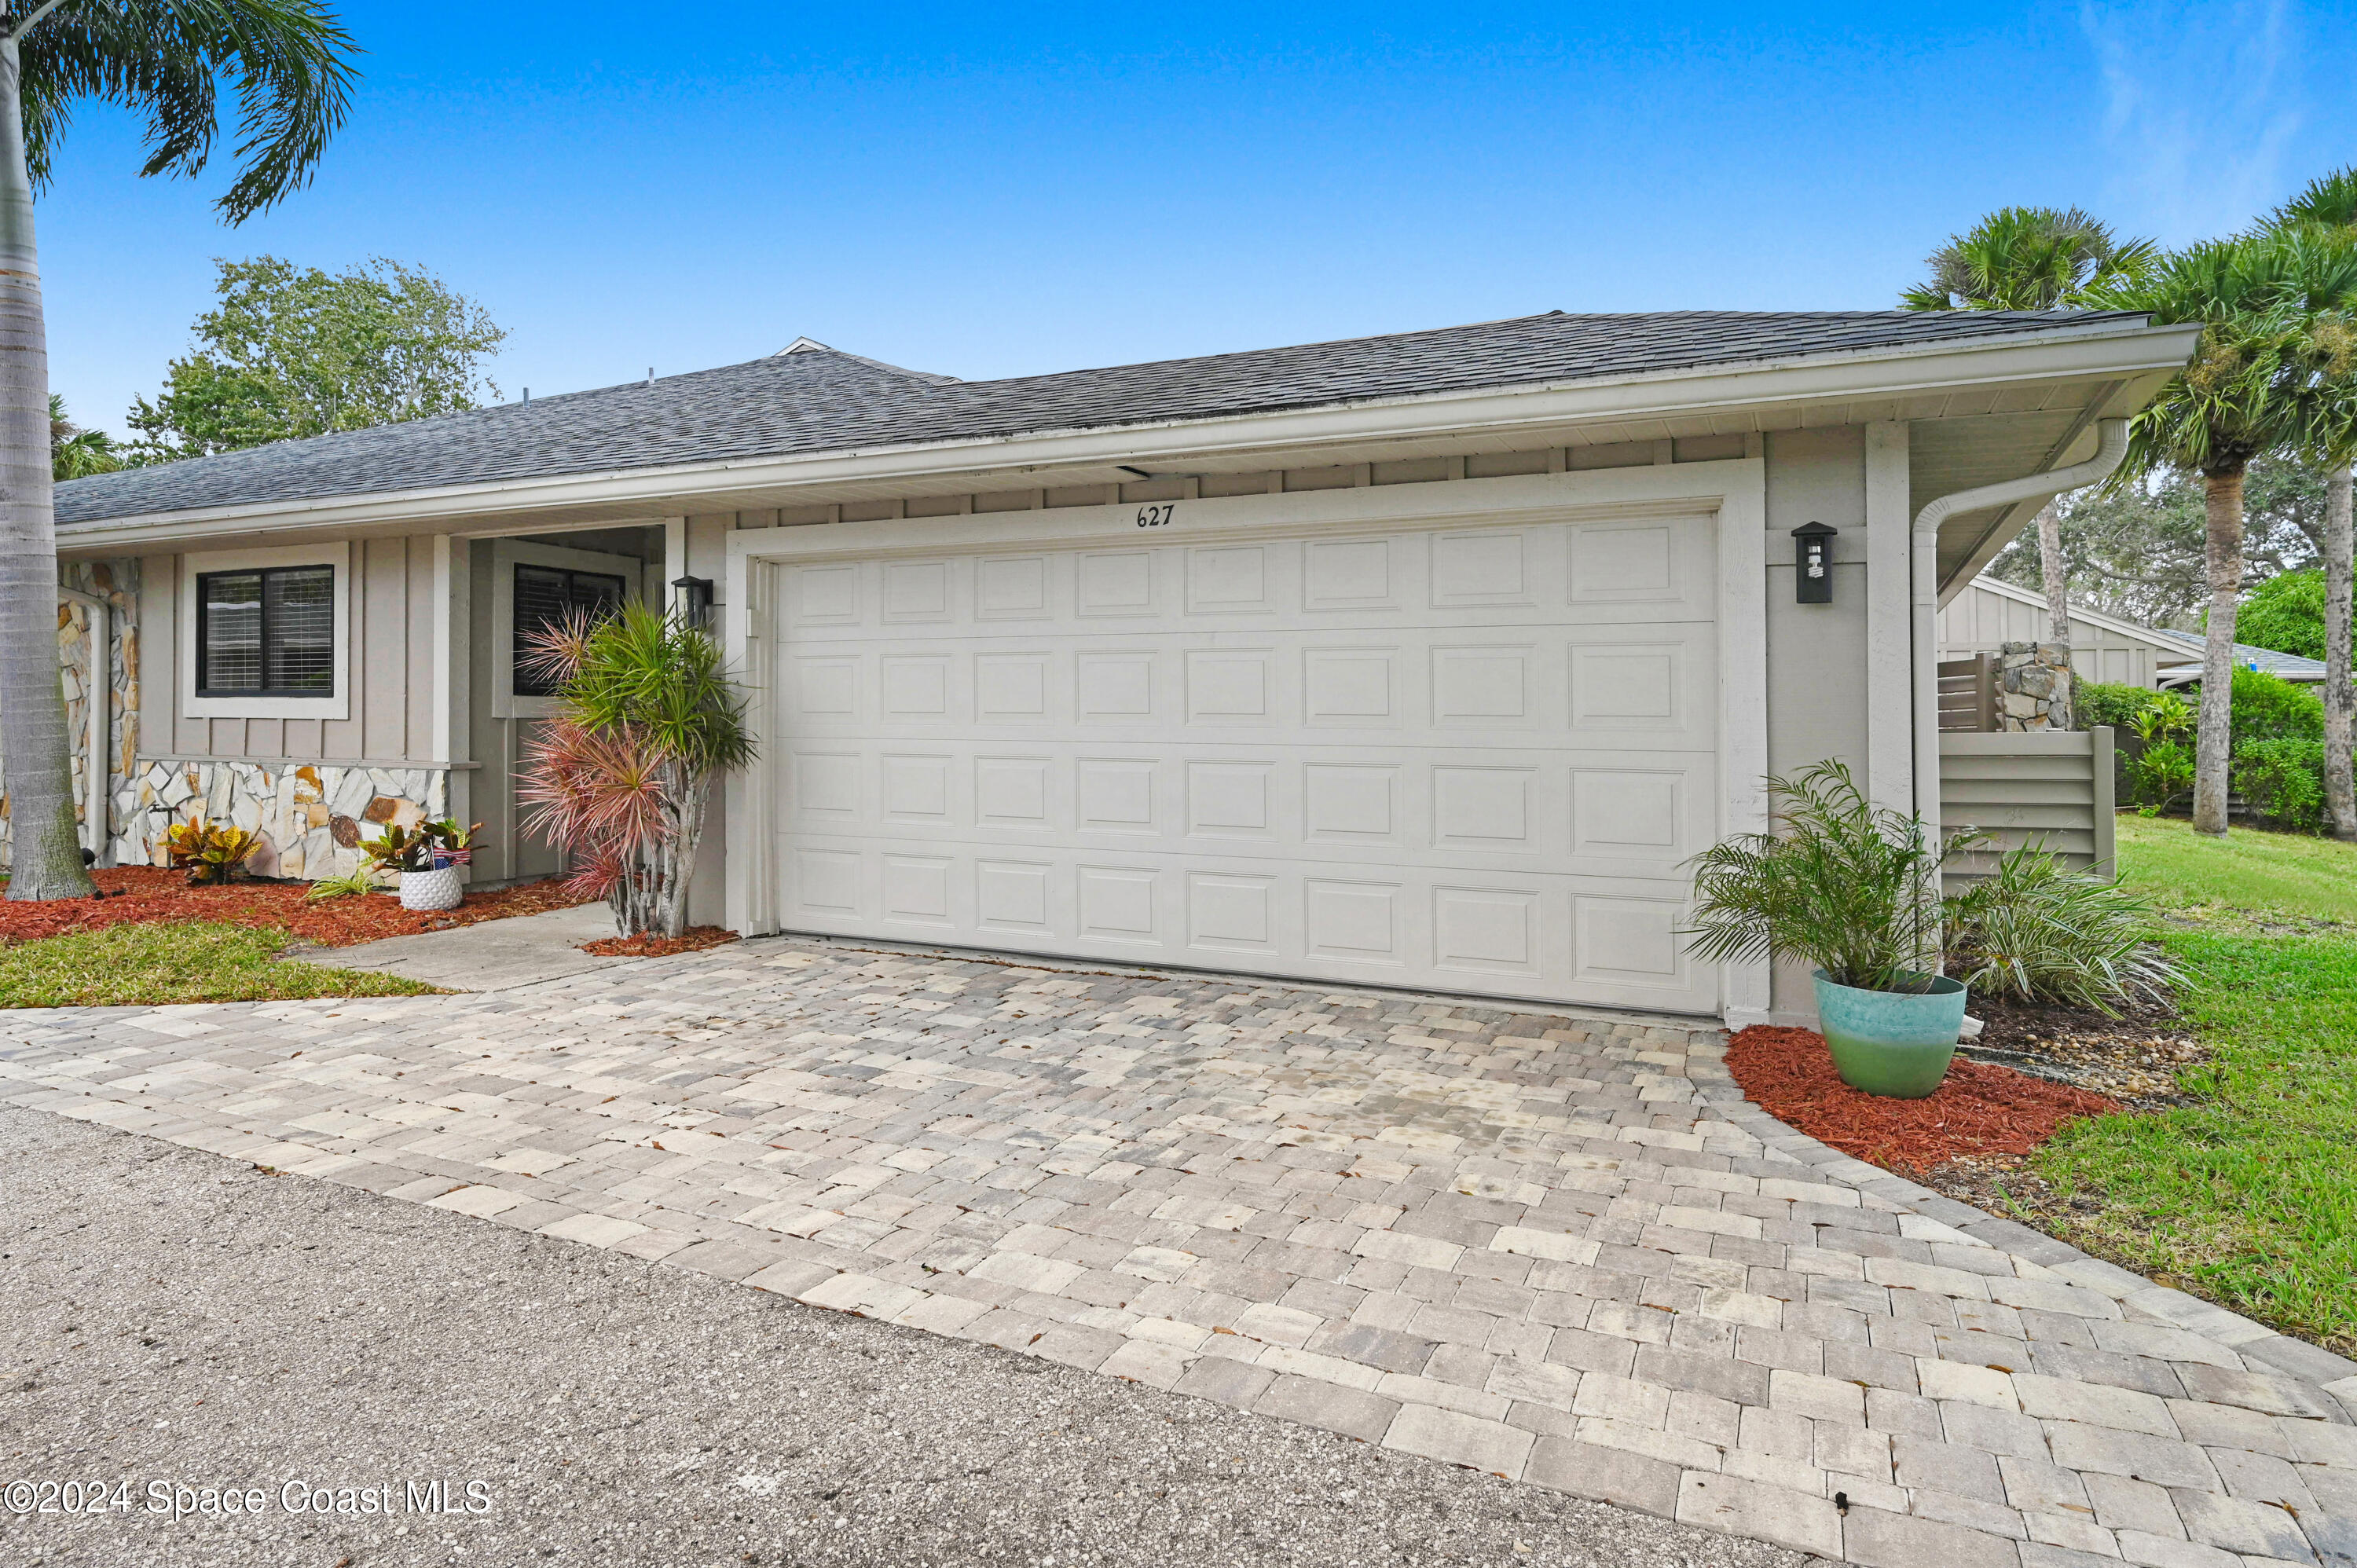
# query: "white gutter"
2112,444
98,704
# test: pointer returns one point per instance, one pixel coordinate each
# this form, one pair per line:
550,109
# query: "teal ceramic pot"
1894,1043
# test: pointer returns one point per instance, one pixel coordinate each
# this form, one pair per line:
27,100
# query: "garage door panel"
1627,813
1638,570
1470,758
1606,939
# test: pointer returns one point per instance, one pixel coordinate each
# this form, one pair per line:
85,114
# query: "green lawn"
2278,875
2251,1193
179,961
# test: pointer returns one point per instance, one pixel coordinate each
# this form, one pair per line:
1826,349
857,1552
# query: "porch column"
1890,655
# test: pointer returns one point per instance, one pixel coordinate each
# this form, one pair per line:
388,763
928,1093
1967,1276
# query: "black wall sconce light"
692,598
1812,564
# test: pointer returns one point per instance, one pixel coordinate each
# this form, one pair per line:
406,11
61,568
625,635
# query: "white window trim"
337,703
507,554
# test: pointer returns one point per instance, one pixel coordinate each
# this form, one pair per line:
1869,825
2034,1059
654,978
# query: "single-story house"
1990,613
1422,660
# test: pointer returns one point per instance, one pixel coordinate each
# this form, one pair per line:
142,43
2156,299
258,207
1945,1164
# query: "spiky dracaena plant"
647,717
1843,885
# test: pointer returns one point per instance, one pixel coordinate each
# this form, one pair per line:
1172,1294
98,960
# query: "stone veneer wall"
311,817
2034,686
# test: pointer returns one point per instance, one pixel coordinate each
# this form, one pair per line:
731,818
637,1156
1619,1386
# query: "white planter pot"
430,889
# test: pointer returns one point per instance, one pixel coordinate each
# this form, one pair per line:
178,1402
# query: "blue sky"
992,191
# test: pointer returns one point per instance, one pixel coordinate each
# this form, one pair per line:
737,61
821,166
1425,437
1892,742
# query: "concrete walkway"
490,955
1557,1248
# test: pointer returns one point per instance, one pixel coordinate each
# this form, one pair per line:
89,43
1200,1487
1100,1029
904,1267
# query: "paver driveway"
1555,1247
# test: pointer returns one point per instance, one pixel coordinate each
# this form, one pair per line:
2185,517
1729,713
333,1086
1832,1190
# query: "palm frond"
2276,367
1845,886
2029,258
287,61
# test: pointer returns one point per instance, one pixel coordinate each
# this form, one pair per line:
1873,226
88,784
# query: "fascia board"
2079,352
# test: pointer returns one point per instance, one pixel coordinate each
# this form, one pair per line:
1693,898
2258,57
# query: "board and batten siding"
2049,787
391,644
1983,620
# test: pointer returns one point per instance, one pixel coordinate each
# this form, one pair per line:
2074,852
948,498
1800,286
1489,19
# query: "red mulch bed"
1978,1110
695,936
156,893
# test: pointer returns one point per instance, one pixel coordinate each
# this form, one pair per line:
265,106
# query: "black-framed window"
544,596
269,633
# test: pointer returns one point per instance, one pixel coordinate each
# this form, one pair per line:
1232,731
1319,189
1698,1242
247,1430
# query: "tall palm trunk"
34,761
2057,583
2051,575
2340,694
2214,737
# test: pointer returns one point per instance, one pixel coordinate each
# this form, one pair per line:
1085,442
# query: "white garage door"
1464,759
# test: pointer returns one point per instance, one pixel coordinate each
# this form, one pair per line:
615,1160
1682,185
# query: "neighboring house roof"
812,399
2290,666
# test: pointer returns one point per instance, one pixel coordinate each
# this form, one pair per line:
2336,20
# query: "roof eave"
2095,349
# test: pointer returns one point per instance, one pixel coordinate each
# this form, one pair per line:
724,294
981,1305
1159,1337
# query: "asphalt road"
171,1319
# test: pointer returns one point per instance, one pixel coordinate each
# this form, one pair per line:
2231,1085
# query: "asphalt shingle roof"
2290,666
819,400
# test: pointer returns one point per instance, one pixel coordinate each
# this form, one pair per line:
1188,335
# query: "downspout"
98,704
2112,444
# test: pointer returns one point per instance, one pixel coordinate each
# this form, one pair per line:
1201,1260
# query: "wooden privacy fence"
1968,700
2054,786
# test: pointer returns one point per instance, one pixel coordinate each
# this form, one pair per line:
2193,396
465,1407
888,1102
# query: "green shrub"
2158,774
2268,707
2099,703
2040,931
2282,781
2285,613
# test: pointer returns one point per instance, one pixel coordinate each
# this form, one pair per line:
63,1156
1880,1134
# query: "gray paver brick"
1608,1474
1505,1238
1883,1540
1355,1412
1461,1439
1790,1519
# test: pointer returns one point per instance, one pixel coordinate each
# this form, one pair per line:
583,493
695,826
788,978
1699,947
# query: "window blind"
546,596
266,633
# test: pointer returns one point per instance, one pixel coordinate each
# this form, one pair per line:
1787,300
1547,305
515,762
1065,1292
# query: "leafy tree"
164,60
2032,258
75,452
2276,365
2136,551
2331,202
2286,613
290,352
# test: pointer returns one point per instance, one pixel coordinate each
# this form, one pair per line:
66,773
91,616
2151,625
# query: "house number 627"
1161,516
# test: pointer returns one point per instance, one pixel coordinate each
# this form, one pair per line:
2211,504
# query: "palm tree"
2332,201
288,61
2275,371
76,453
2032,258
